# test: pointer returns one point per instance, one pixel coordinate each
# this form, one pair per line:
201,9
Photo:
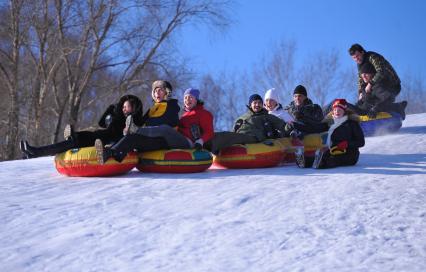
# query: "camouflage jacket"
261,125
385,74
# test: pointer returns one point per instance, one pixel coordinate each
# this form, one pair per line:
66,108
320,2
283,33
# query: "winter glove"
238,124
340,148
198,145
342,145
106,117
195,131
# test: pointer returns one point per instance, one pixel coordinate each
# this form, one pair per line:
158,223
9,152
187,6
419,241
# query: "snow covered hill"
371,217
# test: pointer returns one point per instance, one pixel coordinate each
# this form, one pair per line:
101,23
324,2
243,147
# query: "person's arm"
206,126
378,63
358,139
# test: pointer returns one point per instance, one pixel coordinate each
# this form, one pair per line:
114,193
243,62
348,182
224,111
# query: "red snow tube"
82,162
175,161
257,155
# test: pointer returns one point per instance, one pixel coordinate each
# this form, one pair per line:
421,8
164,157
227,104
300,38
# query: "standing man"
383,86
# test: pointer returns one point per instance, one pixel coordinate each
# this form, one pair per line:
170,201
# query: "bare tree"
277,70
413,91
9,71
321,76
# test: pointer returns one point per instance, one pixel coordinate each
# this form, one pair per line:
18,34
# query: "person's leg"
127,144
227,138
47,150
349,158
88,138
173,138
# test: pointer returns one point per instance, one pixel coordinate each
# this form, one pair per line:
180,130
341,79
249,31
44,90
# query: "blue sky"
395,29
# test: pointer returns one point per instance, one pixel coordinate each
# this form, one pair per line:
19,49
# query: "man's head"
356,51
255,103
299,95
367,71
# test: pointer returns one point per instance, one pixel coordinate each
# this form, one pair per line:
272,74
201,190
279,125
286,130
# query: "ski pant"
173,138
349,158
226,138
140,143
88,138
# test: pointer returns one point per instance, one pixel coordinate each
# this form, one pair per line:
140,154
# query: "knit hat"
193,92
272,94
367,68
341,103
162,84
300,90
254,97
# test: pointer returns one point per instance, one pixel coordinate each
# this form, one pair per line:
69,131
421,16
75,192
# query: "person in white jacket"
273,106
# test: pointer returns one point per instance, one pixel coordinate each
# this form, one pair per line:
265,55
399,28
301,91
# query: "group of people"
124,126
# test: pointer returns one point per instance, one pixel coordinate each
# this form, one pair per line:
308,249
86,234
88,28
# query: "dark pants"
349,158
173,138
88,138
226,138
140,143
80,139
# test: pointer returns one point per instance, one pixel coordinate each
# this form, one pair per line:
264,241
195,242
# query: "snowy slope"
371,217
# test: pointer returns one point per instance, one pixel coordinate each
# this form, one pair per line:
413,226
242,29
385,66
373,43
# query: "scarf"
336,124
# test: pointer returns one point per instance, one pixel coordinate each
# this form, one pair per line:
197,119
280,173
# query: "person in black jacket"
113,122
344,138
303,111
160,120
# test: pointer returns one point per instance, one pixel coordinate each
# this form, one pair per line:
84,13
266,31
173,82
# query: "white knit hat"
272,94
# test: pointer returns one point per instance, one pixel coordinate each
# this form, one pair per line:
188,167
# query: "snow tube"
269,153
383,123
175,161
311,142
82,162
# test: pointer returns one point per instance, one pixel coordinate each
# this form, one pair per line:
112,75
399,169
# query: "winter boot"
300,157
402,107
131,128
104,153
318,158
69,132
25,153
47,150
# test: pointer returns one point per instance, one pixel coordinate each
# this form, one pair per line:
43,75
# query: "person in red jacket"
195,127
196,124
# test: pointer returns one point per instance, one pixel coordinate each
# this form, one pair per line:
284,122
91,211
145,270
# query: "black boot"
402,107
69,133
104,153
300,157
25,153
47,150
318,161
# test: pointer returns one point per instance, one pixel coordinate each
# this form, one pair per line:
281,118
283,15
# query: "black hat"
300,90
367,68
254,97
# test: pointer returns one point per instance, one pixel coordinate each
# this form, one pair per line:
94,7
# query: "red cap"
341,103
